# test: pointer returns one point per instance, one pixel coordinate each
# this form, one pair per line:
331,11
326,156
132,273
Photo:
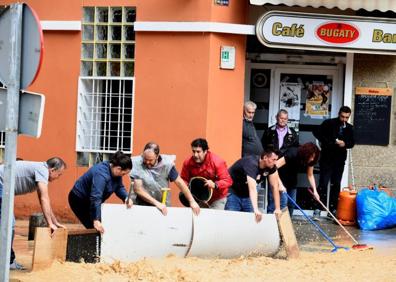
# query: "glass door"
310,93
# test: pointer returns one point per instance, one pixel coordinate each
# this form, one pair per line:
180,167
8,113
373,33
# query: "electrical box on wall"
227,57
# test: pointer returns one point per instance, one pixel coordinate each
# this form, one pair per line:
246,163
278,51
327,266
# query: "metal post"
11,130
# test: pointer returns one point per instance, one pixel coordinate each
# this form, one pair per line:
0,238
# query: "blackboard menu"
372,115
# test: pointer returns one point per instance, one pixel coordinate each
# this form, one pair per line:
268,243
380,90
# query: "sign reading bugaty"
327,32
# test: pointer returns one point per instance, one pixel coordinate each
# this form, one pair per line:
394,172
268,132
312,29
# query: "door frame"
342,86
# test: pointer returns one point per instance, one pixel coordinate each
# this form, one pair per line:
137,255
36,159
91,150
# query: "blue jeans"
283,200
235,203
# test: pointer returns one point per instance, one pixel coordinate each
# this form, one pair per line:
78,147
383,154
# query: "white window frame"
89,111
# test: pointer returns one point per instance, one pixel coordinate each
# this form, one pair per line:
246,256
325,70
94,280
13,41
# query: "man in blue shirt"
96,186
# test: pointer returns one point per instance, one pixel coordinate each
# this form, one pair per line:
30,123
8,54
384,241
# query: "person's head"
56,166
268,158
199,149
281,118
120,164
308,154
249,109
150,154
344,113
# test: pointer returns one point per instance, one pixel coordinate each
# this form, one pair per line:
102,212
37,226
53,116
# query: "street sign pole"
11,132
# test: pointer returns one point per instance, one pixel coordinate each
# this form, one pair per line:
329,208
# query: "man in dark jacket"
281,137
251,144
335,136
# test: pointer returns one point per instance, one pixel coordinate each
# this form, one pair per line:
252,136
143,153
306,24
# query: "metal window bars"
105,114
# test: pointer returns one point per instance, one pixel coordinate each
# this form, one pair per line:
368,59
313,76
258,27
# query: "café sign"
327,32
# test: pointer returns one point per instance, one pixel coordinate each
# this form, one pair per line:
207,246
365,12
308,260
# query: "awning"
368,5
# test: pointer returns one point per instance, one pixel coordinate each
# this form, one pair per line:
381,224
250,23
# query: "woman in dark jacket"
96,186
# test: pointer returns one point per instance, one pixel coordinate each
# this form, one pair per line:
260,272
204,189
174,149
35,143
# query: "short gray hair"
250,104
56,163
282,111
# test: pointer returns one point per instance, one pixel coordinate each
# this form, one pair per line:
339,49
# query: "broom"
357,245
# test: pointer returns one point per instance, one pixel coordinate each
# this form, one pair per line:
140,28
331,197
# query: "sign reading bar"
327,32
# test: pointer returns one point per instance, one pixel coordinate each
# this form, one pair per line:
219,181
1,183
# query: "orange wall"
181,93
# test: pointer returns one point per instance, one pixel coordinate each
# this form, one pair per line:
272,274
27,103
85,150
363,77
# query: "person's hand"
340,143
162,208
53,228
209,183
98,226
195,207
258,215
129,203
316,195
60,225
277,213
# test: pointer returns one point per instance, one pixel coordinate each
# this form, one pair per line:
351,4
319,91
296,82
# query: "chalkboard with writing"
372,115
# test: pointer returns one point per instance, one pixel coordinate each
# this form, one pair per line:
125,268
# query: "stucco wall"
376,164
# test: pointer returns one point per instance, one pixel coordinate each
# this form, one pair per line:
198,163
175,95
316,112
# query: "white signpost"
21,44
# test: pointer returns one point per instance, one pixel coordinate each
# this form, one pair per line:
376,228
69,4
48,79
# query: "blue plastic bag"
375,209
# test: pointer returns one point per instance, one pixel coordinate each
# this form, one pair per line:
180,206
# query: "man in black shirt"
335,136
245,174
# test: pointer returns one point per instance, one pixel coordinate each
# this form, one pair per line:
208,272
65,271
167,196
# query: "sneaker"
16,266
316,215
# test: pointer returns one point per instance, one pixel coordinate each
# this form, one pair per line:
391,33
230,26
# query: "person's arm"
187,193
350,140
95,199
123,195
324,133
295,142
280,162
311,180
142,193
275,182
252,185
185,174
224,180
43,196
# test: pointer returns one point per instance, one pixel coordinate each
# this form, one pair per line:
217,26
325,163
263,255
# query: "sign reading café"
327,32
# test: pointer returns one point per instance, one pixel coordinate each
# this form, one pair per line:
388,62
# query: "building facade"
117,74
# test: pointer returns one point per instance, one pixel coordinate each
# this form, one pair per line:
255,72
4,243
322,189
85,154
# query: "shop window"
106,85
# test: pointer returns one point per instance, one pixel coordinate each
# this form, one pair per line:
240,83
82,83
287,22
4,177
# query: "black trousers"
81,209
330,172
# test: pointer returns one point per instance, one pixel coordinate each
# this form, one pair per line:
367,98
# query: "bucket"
201,193
346,208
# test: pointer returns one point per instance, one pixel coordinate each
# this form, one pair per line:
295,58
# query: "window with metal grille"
105,115
106,85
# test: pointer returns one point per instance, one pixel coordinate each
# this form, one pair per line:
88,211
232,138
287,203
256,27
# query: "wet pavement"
310,239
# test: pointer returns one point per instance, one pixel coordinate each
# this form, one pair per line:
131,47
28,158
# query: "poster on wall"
290,97
318,98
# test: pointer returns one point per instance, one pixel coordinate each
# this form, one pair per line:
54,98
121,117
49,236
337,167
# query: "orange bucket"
346,208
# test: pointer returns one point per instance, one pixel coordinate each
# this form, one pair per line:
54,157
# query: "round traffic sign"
32,46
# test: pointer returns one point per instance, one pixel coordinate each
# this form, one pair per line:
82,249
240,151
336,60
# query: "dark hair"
305,152
122,160
200,142
56,163
152,146
345,109
268,152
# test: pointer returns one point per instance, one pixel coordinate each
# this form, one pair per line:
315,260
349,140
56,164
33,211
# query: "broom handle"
339,223
351,165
